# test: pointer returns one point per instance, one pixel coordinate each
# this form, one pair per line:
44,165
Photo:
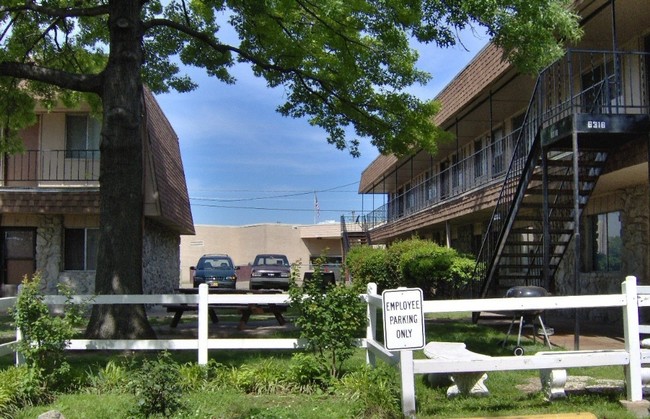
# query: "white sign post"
403,319
404,332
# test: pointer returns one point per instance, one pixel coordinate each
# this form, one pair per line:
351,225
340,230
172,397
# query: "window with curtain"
82,136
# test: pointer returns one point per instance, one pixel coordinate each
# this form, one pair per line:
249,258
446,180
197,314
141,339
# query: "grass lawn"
508,396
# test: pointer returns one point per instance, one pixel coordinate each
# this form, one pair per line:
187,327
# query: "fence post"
20,358
203,324
408,383
632,340
371,328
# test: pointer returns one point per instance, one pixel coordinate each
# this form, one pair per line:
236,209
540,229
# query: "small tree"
330,321
45,336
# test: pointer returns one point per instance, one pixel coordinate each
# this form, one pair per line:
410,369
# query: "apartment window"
430,187
80,249
456,172
517,126
479,159
498,153
81,136
602,244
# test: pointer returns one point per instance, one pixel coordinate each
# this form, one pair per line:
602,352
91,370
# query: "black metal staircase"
561,151
356,236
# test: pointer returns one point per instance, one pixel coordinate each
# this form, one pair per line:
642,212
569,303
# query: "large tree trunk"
119,264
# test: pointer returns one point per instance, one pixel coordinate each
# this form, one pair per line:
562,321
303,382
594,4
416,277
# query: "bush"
367,264
44,336
439,271
376,390
156,386
330,321
19,386
307,374
112,378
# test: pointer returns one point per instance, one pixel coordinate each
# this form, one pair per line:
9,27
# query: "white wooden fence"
201,344
632,357
629,300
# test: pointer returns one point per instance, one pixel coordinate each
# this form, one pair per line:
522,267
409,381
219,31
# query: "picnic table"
245,310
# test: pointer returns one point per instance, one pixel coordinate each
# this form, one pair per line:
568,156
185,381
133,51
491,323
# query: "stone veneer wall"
161,259
48,251
49,259
633,203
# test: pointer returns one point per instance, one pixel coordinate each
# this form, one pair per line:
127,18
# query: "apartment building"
49,202
547,179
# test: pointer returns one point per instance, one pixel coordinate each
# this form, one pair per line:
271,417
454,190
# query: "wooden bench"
245,310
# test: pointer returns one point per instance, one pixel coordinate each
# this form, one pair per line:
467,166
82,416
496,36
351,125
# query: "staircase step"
564,178
533,243
524,254
541,231
568,191
556,205
569,163
539,218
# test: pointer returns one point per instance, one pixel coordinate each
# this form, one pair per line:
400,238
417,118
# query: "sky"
247,164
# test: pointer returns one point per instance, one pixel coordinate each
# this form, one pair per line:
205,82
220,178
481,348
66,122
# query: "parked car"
216,271
270,271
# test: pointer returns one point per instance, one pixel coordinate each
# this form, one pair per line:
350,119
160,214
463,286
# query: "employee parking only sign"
403,319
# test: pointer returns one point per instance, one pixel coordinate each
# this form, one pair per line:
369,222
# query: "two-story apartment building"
547,180
49,202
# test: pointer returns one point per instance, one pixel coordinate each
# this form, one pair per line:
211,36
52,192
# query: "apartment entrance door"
18,255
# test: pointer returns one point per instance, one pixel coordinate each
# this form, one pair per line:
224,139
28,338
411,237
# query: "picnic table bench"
245,310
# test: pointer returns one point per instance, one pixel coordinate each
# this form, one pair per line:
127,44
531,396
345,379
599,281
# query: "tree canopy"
343,64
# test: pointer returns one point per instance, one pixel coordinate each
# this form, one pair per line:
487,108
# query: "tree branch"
63,79
56,11
299,74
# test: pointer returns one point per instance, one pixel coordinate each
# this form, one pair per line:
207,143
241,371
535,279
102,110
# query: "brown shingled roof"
173,198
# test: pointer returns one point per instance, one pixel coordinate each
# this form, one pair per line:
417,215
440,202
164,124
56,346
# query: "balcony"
607,87
50,168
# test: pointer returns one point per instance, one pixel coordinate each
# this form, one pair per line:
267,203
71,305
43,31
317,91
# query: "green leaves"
344,65
330,319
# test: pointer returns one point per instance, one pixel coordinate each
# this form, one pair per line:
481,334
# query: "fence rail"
629,300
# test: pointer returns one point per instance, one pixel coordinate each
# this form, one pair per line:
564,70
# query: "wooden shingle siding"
162,142
50,202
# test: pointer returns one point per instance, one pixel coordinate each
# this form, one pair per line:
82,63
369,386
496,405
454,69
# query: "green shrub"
112,378
330,321
19,386
307,374
156,386
376,390
266,377
367,264
45,336
195,377
439,271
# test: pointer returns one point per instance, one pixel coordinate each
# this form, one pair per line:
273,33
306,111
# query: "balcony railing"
597,82
482,168
51,168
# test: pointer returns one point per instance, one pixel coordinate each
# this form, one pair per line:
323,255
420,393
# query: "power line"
287,195
275,209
